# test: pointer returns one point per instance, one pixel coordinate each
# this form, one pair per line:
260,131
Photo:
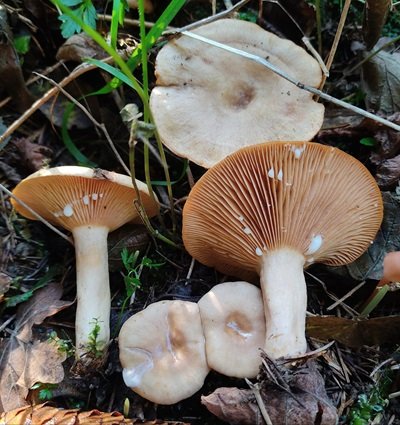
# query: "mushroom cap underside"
312,198
72,196
162,351
209,102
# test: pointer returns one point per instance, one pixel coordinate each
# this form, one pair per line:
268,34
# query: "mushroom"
90,203
209,103
232,315
275,208
162,351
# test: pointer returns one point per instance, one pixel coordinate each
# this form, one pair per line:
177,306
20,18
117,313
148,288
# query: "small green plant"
82,9
46,391
63,345
369,405
133,270
95,347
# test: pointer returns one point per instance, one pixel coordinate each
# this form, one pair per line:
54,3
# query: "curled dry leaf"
79,47
375,14
44,415
24,362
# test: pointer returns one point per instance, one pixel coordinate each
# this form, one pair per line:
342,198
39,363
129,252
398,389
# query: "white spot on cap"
95,196
85,200
259,252
241,218
315,244
68,210
271,173
235,327
280,175
247,230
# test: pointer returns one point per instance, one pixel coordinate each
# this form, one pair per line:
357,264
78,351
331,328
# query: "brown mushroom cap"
232,315
162,351
72,196
314,199
209,102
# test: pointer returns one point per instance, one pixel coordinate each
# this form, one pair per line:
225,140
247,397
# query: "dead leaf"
34,156
43,415
375,14
79,47
381,83
24,362
304,403
5,282
355,333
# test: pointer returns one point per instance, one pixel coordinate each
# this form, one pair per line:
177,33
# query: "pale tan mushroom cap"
314,199
209,103
162,351
232,314
72,196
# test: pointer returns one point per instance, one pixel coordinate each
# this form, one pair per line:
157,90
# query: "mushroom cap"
209,102
73,196
162,351
308,197
232,315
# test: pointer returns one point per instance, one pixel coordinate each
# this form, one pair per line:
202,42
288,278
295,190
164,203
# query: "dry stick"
291,79
33,212
336,40
91,118
255,388
79,70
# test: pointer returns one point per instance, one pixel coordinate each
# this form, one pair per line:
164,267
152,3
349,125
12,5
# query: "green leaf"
71,3
22,44
368,141
68,26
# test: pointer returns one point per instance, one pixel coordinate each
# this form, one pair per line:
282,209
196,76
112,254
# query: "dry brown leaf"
5,282
24,362
375,14
79,47
355,333
45,415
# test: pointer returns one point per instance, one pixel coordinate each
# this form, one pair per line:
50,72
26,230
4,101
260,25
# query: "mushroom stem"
93,290
285,302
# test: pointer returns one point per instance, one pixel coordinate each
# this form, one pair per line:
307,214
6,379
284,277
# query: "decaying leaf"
34,156
45,415
375,14
355,333
24,362
381,83
304,403
5,282
79,47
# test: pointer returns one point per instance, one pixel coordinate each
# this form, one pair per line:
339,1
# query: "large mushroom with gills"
275,208
206,99
90,203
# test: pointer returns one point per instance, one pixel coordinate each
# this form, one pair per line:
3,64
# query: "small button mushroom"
162,351
232,315
275,208
209,102
89,203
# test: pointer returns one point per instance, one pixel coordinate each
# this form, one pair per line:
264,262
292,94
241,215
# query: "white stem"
285,302
93,287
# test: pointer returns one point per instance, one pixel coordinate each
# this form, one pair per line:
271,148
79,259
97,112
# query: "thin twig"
336,40
91,118
255,388
79,70
291,79
351,292
34,213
